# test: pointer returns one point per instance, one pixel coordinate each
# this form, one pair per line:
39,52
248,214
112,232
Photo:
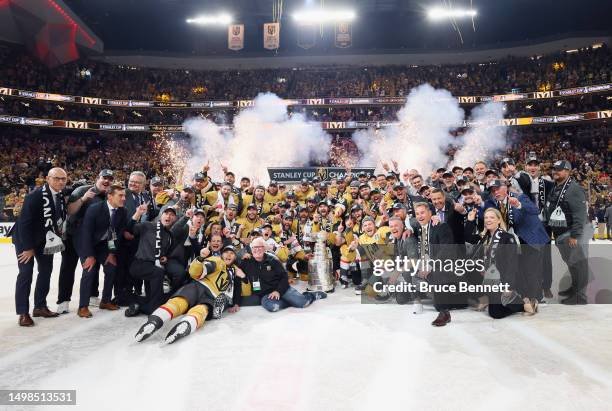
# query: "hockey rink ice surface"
337,354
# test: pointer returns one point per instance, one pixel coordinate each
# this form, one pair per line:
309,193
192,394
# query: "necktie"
441,215
423,240
503,210
58,200
113,219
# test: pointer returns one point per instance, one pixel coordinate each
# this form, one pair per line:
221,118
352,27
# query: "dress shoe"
44,312
84,312
109,306
133,310
574,300
25,320
567,293
443,318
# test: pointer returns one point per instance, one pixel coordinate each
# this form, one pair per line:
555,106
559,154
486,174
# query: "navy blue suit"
29,233
94,234
532,235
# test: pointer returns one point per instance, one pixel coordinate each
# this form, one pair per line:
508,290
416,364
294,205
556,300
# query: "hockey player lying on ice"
215,284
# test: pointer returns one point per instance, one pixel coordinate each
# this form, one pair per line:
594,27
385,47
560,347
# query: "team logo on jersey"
222,281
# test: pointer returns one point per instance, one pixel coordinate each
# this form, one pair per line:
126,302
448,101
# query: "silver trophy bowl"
320,270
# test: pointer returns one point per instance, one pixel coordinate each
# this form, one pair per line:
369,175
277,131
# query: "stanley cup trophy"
320,272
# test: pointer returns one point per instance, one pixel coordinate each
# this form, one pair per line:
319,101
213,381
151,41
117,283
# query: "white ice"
335,355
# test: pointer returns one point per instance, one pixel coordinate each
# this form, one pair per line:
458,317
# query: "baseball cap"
562,165
172,209
228,248
390,175
455,168
233,206
398,185
355,207
507,160
156,181
273,183
199,176
362,185
447,174
354,183
441,170
423,188
495,183
106,173
199,211
305,181
252,205
266,225
492,171
532,159
288,215
188,188
398,206
468,169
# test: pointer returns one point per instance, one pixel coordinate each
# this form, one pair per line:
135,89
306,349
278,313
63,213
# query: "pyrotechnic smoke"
422,136
484,138
263,136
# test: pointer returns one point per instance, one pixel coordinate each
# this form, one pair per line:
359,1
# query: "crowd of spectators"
93,78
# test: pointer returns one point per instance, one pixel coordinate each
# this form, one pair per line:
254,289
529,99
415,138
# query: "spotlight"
323,16
440,13
209,20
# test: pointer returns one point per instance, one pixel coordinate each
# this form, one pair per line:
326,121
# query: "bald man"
37,235
269,281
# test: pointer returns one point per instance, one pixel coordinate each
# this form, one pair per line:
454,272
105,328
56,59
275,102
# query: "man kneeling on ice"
215,284
269,281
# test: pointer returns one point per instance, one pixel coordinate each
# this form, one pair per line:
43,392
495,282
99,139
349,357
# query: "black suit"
29,233
442,248
454,220
94,234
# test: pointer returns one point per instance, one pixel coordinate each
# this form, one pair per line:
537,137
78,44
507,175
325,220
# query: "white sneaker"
94,301
62,308
417,308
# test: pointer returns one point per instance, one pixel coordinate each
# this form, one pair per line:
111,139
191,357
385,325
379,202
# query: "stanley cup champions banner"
344,35
235,36
271,36
307,36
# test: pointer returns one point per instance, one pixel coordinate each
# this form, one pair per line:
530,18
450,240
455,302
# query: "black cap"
562,165
284,204
156,181
323,185
398,206
230,205
290,194
305,181
447,174
252,205
398,185
273,183
423,188
228,248
362,185
468,168
375,191
106,173
492,171
390,175
455,168
172,209
311,200
354,183
355,207
507,160
324,202
260,187
199,176
467,188
301,208
199,211
256,231
266,225
496,183
462,180
188,188
288,215
441,170
532,159
316,179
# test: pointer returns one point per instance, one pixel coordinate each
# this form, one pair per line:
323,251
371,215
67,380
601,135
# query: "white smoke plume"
263,136
484,138
422,137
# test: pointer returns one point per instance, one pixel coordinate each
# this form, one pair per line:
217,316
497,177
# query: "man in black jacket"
81,198
154,245
37,234
101,239
450,213
566,211
270,283
435,243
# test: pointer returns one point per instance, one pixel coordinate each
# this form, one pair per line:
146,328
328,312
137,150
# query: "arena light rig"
449,13
211,20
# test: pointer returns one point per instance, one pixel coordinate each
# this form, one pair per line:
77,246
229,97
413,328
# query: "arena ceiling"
159,25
